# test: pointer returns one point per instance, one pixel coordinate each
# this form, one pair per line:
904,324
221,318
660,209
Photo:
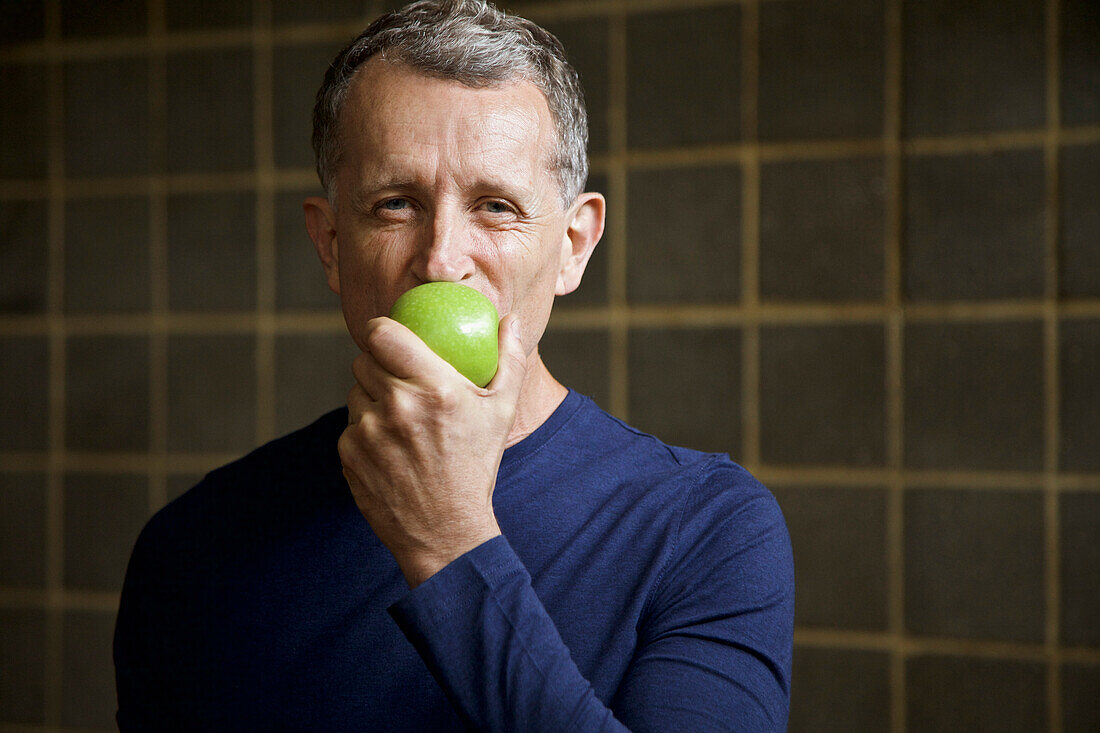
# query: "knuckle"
443,397
398,409
379,333
347,448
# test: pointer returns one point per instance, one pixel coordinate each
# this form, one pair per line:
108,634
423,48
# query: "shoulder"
725,528
306,450
254,495
703,481
708,504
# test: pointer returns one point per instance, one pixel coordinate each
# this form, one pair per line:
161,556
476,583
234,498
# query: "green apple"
456,322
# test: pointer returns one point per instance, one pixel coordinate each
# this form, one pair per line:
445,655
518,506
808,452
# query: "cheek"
534,281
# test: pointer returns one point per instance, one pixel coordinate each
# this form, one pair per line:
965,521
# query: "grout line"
263,140
158,262
618,324
893,234
948,646
55,495
1051,386
792,150
750,236
571,318
70,600
565,319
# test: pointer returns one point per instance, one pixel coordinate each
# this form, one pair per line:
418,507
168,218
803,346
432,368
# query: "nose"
445,250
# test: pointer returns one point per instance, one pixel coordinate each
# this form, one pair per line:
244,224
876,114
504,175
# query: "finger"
512,359
359,403
370,375
402,353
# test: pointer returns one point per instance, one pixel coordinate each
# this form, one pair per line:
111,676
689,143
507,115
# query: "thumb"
511,359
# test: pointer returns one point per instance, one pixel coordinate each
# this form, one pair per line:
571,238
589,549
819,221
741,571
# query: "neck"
540,395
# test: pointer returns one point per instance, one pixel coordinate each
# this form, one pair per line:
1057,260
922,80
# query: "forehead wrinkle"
483,143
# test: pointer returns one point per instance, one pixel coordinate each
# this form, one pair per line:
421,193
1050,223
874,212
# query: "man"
439,556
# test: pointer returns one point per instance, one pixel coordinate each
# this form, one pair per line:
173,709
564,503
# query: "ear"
321,224
586,221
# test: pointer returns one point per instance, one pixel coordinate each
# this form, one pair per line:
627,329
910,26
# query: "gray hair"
473,43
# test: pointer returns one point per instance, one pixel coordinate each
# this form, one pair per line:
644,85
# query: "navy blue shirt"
636,586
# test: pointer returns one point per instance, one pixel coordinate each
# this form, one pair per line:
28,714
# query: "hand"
423,445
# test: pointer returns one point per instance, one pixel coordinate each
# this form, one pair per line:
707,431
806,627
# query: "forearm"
495,651
713,652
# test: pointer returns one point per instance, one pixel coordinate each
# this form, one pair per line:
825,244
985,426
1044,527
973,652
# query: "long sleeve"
714,650
490,644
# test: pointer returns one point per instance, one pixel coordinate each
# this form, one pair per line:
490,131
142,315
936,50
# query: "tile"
299,71
23,648
974,564
839,691
24,392
823,395
22,21
107,255
285,12
299,277
81,19
974,226
839,541
1079,516
106,117
88,675
683,71
685,386
23,257
312,376
1079,392
107,393
586,47
821,230
209,110
1080,61
684,234
948,694
973,66
211,393
579,360
103,515
183,15
1080,691
23,121
212,251
22,530
593,287
1078,254
973,395
821,69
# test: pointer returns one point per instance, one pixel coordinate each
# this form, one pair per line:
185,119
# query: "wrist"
420,565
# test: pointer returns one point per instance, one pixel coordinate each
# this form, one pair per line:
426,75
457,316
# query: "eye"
494,206
394,204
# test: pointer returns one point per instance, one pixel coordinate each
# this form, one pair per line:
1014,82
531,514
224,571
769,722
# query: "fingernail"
515,327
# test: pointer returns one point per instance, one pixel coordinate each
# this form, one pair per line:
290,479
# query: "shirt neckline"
518,453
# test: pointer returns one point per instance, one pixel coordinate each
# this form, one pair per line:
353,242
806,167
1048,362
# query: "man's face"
438,181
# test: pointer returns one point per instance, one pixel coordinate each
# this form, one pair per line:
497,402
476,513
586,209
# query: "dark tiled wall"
856,245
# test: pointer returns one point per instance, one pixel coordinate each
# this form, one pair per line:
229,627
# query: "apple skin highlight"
456,322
